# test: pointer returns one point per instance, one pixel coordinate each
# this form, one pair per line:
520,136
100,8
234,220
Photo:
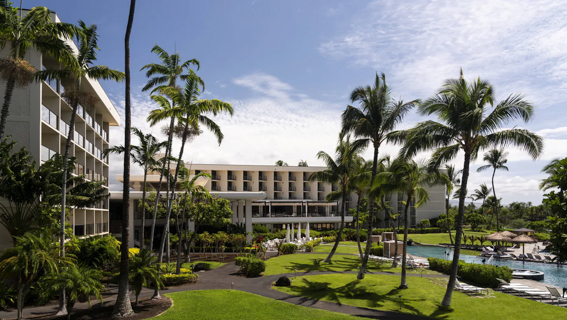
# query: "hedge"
308,246
377,250
289,248
329,239
251,267
379,231
483,275
176,279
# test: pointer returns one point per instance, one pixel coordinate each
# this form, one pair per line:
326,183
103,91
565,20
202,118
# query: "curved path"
226,277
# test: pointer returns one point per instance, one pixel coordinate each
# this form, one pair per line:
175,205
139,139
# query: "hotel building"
39,121
272,196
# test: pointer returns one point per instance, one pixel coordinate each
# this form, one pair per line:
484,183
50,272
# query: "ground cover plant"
209,265
422,298
220,304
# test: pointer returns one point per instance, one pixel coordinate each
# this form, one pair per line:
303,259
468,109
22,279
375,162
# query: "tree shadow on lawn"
338,266
353,290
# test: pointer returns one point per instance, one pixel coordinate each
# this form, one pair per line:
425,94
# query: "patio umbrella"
299,231
523,239
292,231
307,232
287,234
509,234
497,236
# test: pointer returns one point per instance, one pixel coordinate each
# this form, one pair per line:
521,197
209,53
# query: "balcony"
216,188
104,135
277,188
46,153
64,128
306,188
320,189
262,178
277,178
79,170
215,177
263,188
292,188
79,139
278,197
307,197
231,177
231,188
248,178
292,178
321,198
248,188
90,228
335,188
49,117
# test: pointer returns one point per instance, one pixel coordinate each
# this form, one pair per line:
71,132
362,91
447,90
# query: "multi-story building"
275,196
39,121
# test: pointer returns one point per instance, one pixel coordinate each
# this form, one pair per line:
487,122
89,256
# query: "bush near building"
479,274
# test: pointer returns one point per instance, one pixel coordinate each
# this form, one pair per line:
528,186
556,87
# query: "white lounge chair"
555,295
469,288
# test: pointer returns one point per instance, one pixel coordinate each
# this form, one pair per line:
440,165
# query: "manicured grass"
326,248
437,238
307,263
212,264
232,304
422,298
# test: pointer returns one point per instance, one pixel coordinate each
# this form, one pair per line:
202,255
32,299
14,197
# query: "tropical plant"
339,171
142,273
36,30
31,256
99,253
496,159
377,116
482,194
79,282
302,163
467,124
554,177
359,185
122,306
143,155
450,176
281,163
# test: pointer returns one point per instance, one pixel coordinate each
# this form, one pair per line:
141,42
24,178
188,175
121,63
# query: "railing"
216,188
97,127
231,177
231,188
278,197
79,169
335,188
46,153
277,178
105,227
89,146
307,197
321,198
90,228
98,153
89,174
263,178
247,188
292,188
48,116
320,188
249,178
264,189
215,177
104,135
306,188
64,128
277,188
79,139
293,198
292,178
80,111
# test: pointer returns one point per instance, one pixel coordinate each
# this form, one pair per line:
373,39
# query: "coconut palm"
31,256
281,163
555,177
143,155
451,178
496,159
411,178
122,306
302,163
482,194
467,124
360,185
142,274
339,171
376,117
36,30
165,74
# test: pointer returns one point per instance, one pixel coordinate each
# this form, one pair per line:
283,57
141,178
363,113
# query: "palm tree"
143,155
122,306
142,274
554,170
36,30
496,159
359,185
451,178
163,75
377,116
411,178
339,171
467,124
32,256
482,194
302,163
79,282
281,163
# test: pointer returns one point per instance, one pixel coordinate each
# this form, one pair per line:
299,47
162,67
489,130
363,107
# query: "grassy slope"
306,262
232,304
437,238
422,298
353,249
211,264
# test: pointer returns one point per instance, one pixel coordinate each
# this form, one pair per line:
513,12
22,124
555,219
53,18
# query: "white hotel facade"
272,196
39,121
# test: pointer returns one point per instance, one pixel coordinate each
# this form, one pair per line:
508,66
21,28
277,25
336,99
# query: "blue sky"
288,67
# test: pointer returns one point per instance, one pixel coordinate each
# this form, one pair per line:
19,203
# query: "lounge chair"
538,258
555,295
514,256
468,288
548,259
530,256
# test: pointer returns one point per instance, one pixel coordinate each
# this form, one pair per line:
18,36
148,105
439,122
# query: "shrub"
308,246
424,224
176,279
479,274
542,236
250,266
377,249
410,230
258,228
329,239
538,226
289,248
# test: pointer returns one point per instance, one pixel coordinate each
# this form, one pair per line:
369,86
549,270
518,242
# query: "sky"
288,67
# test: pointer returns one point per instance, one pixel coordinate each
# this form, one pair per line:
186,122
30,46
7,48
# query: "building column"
294,209
270,208
306,208
234,208
327,210
241,211
248,221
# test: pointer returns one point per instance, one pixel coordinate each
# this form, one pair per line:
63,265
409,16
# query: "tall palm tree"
360,185
302,163
451,178
411,178
281,163
467,124
377,116
122,306
143,155
339,171
482,194
165,74
554,170
496,159
36,30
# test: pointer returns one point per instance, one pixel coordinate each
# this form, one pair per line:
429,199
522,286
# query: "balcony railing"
335,188
79,169
80,111
48,116
231,177
320,189
306,188
277,178
231,188
79,139
307,197
277,188
263,178
278,197
216,188
291,178
105,227
215,177
104,135
90,228
321,198
263,188
248,178
89,174
292,188
46,153
248,188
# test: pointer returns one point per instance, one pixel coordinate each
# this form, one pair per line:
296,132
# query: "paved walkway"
225,278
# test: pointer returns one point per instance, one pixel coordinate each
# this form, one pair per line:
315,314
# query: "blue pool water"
554,275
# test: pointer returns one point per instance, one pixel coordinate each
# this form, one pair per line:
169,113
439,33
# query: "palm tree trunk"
143,229
448,220
495,202
358,226
395,262
10,84
364,265
20,301
178,262
458,232
403,284
123,307
340,234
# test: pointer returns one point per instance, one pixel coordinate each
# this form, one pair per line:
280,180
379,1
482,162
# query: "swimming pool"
554,275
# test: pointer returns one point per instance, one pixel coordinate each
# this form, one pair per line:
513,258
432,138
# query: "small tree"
475,220
142,273
424,224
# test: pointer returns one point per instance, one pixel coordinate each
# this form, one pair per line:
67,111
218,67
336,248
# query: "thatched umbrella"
497,236
523,239
509,234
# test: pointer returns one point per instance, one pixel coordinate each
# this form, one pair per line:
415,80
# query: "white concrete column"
241,211
249,221
295,209
306,208
292,236
270,208
234,208
191,226
327,210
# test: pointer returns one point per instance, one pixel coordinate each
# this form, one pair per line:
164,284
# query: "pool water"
554,275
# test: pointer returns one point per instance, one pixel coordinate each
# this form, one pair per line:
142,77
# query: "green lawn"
342,248
437,238
306,262
212,264
422,298
232,304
